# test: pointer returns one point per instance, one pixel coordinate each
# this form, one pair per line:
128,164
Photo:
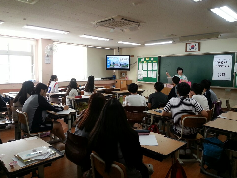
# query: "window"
16,61
70,62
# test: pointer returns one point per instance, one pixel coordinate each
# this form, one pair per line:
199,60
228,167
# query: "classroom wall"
96,64
219,45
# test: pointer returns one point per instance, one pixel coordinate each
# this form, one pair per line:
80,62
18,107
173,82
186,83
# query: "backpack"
153,128
176,171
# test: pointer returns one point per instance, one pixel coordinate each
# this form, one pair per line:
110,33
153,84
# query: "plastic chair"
192,121
135,114
117,170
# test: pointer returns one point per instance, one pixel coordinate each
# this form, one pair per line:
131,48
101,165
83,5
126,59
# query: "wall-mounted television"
117,62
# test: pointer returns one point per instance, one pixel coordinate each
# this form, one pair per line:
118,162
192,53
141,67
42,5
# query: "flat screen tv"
117,62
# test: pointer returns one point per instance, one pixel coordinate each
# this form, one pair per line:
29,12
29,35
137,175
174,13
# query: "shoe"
181,152
188,151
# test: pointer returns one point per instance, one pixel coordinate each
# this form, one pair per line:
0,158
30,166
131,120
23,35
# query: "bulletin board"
147,70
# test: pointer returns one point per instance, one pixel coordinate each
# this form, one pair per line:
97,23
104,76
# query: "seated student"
3,106
36,107
173,91
89,88
134,99
90,116
196,93
24,93
180,106
71,92
114,140
157,99
208,93
53,84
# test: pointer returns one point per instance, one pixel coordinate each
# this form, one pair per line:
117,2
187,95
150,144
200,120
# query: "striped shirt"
181,106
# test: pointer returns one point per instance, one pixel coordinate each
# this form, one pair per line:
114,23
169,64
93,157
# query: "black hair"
197,88
132,88
73,84
179,68
111,129
159,86
206,84
39,87
176,80
27,88
52,78
183,89
90,84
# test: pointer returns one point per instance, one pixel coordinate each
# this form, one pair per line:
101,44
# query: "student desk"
230,115
166,146
126,92
9,149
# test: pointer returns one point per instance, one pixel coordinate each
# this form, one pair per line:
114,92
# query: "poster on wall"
222,66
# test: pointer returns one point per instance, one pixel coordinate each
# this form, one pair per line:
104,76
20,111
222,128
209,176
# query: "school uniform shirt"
173,92
211,97
36,107
135,100
182,77
214,98
180,106
53,87
202,100
157,99
72,93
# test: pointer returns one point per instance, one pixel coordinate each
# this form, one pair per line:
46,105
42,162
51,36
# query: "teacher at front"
179,74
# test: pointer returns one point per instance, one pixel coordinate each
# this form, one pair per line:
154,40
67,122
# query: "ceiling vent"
118,22
28,1
199,37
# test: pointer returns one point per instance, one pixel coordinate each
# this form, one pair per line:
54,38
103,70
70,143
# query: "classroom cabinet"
122,84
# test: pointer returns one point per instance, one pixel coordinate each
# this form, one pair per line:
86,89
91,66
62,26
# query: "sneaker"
181,152
188,151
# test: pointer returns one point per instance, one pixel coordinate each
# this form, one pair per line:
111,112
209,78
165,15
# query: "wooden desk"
56,94
126,92
9,149
230,115
166,146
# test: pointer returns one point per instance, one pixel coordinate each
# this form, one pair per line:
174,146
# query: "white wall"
96,64
219,45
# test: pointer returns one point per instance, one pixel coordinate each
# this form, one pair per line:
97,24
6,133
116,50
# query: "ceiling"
160,20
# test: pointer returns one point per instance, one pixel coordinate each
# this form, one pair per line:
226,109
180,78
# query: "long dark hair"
52,78
96,103
111,129
27,88
90,84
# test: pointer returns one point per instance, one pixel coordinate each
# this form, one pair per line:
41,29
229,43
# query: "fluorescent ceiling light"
1,22
197,0
123,42
90,46
107,48
159,43
98,47
45,29
226,13
94,37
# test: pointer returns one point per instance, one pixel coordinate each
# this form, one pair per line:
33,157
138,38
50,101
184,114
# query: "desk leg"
17,131
73,105
69,122
152,118
160,124
41,171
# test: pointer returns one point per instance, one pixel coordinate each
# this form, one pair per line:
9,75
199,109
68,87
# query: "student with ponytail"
53,84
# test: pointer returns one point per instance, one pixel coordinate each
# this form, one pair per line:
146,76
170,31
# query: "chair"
117,170
135,114
76,151
210,114
192,121
109,90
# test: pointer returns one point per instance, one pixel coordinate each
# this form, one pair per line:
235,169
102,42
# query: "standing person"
157,99
89,88
208,93
134,99
196,93
36,107
25,92
179,74
173,91
53,84
114,140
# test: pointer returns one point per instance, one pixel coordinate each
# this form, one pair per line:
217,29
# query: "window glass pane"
70,62
3,46
21,69
4,69
19,46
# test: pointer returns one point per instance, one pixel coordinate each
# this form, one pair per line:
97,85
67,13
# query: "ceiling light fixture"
226,13
1,22
159,43
94,37
107,48
98,47
90,46
123,42
45,29
197,0
29,1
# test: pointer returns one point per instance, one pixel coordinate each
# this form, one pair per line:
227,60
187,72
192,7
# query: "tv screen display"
117,62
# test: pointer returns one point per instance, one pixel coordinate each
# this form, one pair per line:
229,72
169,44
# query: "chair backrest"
135,113
109,90
193,121
23,119
76,148
117,170
210,114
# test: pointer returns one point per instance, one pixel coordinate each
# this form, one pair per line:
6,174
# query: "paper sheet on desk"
148,140
64,112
